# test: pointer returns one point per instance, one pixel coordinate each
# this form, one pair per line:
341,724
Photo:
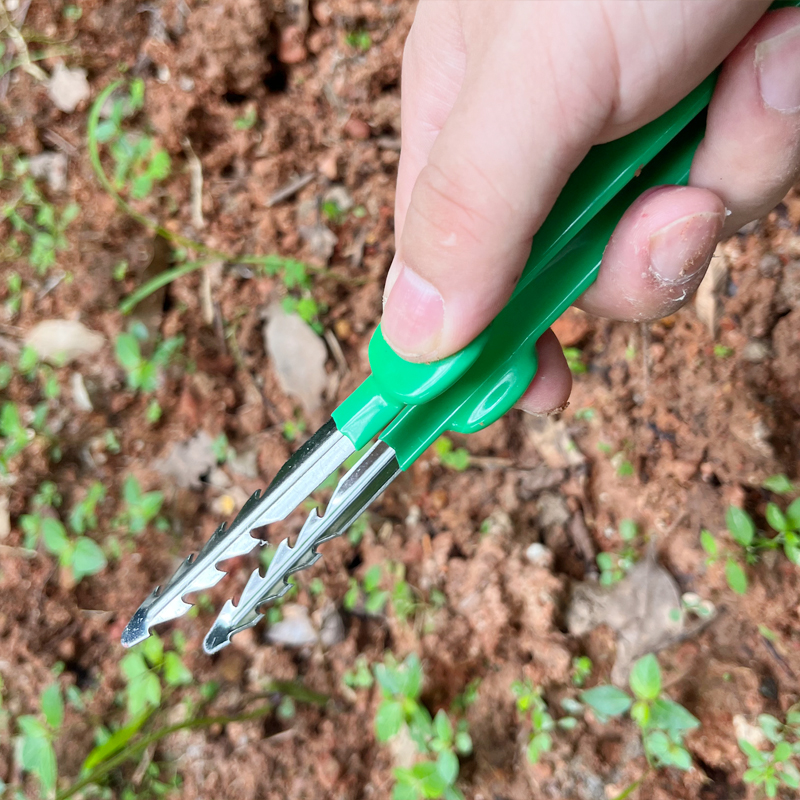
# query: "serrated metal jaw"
323,453
362,484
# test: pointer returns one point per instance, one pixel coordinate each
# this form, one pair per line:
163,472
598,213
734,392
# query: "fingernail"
413,315
778,71
685,246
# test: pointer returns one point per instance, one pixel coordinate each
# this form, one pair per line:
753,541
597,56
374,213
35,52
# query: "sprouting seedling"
456,458
143,373
374,598
438,741
662,722
769,770
614,566
140,507
532,707
36,736
575,360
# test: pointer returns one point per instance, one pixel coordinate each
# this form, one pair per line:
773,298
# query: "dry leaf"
188,461
63,340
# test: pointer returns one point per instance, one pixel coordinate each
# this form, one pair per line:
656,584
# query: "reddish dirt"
701,427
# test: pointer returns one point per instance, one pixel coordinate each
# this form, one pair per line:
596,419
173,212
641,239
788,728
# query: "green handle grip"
507,362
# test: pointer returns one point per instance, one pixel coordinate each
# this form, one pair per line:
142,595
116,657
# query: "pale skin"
501,100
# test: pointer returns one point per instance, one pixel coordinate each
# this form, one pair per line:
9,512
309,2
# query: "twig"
290,189
196,177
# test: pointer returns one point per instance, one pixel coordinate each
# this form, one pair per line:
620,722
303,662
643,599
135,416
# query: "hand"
502,100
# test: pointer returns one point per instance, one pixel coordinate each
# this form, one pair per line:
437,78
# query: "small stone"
163,74
68,87
291,49
79,394
540,556
343,329
298,356
551,510
5,517
63,340
321,239
186,83
50,166
756,351
357,129
332,630
769,265
328,166
295,629
188,461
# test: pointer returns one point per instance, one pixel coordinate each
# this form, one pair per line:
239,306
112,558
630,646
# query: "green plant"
373,597
14,293
358,529
293,429
143,373
532,707
33,216
663,722
777,767
614,566
222,449
721,351
36,735
138,161
16,435
144,668
403,599
575,362
247,120
742,529
359,40
360,677
81,555
140,508
581,670
779,484
437,740
456,458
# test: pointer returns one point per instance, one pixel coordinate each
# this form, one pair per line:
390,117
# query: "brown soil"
701,428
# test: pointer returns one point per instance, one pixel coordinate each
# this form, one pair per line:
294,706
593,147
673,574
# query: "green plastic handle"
604,172
507,363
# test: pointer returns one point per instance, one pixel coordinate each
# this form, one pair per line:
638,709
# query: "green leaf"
375,602
87,558
640,713
680,757
708,543
793,514
567,723
782,752
447,766
38,757
443,726
141,186
405,788
431,782
143,692
54,536
53,706
645,679
412,676
133,665
153,650
114,743
151,504
463,743
159,165
628,530
775,518
540,743
127,351
608,701
740,526
176,673
372,577
657,745
388,720
388,680
735,576
771,727
672,717
779,484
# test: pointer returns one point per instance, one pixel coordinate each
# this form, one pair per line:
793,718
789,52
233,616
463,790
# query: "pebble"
295,629
328,166
357,129
291,49
67,88
332,631
539,555
63,340
755,351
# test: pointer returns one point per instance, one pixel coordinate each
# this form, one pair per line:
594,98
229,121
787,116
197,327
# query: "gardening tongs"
408,406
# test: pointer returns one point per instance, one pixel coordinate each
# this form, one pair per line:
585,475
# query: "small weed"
31,215
721,351
293,429
777,767
247,120
36,736
456,458
531,706
140,508
779,484
438,741
663,722
370,595
143,374
615,566
144,669
575,360
581,670
138,161
13,294
359,40
360,677
585,414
